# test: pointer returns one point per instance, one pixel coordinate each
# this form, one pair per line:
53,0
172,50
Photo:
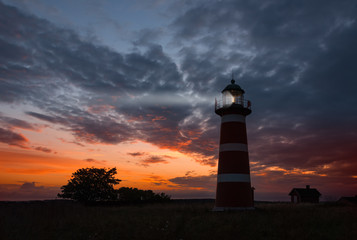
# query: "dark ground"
175,220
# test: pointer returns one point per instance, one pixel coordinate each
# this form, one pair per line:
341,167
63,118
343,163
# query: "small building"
305,195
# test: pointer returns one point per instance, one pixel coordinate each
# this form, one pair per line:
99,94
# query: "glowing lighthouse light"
234,190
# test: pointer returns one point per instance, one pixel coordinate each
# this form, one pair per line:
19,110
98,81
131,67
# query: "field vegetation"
175,220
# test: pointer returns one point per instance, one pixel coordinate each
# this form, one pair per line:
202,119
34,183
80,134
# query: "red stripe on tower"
234,191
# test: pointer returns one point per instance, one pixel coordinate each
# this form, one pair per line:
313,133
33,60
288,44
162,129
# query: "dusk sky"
132,84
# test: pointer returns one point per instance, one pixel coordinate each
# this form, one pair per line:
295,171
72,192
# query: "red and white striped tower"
234,190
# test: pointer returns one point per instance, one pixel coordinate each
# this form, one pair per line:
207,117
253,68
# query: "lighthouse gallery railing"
221,104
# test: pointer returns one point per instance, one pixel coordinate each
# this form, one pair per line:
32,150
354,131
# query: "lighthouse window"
227,98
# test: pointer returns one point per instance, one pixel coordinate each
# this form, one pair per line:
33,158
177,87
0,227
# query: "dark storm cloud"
43,51
16,123
147,37
98,94
102,130
12,138
296,61
46,117
91,128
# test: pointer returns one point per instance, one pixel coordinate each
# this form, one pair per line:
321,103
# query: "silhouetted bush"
134,195
95,186
91,184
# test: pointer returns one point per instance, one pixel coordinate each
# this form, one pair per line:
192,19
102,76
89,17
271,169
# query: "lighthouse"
234,191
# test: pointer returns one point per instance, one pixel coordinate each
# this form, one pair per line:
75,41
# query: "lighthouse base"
231,209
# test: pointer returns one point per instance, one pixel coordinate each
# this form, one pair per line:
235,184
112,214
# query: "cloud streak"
12,138
155,160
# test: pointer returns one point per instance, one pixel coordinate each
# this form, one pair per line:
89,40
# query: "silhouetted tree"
134,195
91,184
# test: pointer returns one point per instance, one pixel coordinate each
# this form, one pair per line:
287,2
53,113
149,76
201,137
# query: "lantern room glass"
232,97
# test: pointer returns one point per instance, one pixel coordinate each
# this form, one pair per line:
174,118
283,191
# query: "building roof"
233,87
305,192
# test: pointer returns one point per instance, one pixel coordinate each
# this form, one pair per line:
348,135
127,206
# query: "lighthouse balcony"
237,104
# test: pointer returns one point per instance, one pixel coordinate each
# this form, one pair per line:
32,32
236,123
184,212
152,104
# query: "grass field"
175,220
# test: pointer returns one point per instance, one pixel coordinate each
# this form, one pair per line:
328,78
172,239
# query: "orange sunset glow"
132,85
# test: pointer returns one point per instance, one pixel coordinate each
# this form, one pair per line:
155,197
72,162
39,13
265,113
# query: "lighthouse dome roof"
233,87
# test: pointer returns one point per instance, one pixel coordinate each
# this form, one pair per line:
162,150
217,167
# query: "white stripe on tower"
233,177
233,147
